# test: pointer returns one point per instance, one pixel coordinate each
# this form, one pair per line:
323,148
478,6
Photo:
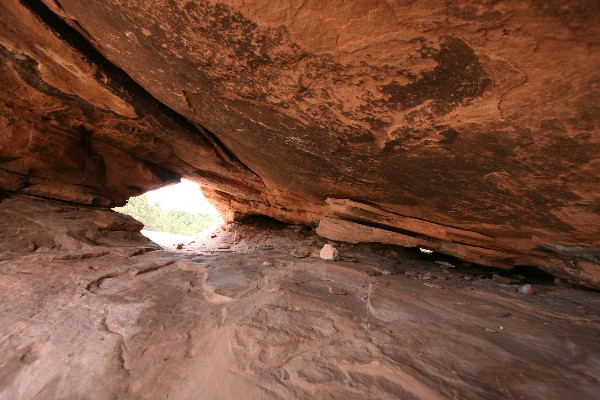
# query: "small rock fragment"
302,252
557,281
445,264
467,278
432,285
562,283
224,247
490,330
31,247
337,291
329,253
501,279
527,289
297,228
267,264
427,276
411,274
386,272
179,246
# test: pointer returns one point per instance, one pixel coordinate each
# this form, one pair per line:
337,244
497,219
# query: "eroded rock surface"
239,316
480,119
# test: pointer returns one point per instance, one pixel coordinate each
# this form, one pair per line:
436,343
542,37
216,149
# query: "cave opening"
173,214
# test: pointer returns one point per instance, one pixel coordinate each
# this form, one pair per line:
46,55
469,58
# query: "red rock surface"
469,126
95,317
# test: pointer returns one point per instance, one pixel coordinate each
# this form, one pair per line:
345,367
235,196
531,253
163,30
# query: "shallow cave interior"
336,139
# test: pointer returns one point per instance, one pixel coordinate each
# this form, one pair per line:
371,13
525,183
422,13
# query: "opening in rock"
173,214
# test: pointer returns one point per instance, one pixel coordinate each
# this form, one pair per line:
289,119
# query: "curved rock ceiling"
470,128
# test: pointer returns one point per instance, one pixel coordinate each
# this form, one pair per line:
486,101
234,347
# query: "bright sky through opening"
185,196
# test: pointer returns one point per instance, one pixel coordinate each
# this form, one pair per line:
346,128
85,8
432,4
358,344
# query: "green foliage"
158,219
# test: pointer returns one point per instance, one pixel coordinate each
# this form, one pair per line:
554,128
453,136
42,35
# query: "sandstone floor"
252,313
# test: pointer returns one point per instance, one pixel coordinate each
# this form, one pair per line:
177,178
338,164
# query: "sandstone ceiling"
469,128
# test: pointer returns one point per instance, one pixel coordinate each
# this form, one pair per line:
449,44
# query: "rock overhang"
475,134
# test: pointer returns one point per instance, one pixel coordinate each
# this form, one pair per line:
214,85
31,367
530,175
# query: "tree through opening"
173,214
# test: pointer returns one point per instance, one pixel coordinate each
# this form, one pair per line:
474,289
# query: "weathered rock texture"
240,317
470,128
